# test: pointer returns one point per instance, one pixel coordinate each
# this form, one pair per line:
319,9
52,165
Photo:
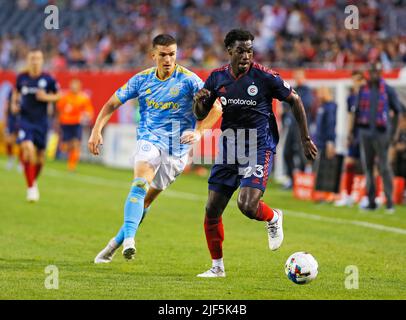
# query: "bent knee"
248,208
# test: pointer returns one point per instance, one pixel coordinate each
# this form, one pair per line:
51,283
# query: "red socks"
349,174
264,213
30,173
9,149
214,230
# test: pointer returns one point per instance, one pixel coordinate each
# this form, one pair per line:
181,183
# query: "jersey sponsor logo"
162,105
223,101
42,83
252,90
287,85
241,102
148,91
28,90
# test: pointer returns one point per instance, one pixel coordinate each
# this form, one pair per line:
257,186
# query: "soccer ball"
301,267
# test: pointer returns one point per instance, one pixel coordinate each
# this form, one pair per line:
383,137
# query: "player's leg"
368,161
219,196
28,157
348,181
147,159
10,140
223,181
252,187
133,214
250,204
151,195
74,147
169,168
382,144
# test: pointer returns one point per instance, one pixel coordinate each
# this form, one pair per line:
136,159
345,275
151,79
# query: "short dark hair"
237,35
163,40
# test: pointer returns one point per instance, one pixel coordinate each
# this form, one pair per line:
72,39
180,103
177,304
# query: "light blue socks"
133,210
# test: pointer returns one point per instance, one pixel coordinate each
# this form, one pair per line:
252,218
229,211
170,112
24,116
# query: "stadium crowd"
116,34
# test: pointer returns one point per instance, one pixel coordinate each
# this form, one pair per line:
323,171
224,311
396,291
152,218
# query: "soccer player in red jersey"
246,90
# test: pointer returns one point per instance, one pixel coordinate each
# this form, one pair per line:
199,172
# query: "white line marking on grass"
345,221
195,197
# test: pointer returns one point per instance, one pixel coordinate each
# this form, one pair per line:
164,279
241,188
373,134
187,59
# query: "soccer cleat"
33,193
129,248
390,209
275,231
345,201
367,206
10,164
107,254
214,272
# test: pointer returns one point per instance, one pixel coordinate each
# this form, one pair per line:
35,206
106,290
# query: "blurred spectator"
399,159
327,165
375,102
115,34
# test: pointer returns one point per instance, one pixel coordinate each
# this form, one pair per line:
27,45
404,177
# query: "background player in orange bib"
74,109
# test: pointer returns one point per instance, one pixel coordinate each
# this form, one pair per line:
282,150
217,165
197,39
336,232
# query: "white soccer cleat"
214,272
10,164
33,193
107,254
275,231
129,248
345,201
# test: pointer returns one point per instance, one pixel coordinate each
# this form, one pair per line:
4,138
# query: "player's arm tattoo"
298,110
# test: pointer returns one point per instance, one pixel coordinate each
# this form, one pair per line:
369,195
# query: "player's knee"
139,186
213,210
248,208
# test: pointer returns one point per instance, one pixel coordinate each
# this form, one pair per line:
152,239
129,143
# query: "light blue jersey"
165,106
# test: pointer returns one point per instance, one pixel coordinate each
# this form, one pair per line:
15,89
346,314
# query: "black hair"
237,35
163,40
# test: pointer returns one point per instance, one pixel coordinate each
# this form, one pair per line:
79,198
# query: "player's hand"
14,108
330,151
41,95
350,140
190,137
94,142
309,149
201,95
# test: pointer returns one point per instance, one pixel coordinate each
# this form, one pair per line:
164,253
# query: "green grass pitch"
78,213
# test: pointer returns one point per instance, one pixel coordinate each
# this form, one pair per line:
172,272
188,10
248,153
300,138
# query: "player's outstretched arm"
104,116
298,110
214,115
14,107
202,104
47,97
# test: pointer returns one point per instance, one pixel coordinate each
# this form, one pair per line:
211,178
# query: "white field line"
195,197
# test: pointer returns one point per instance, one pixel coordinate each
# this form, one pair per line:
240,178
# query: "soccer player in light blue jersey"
166,131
